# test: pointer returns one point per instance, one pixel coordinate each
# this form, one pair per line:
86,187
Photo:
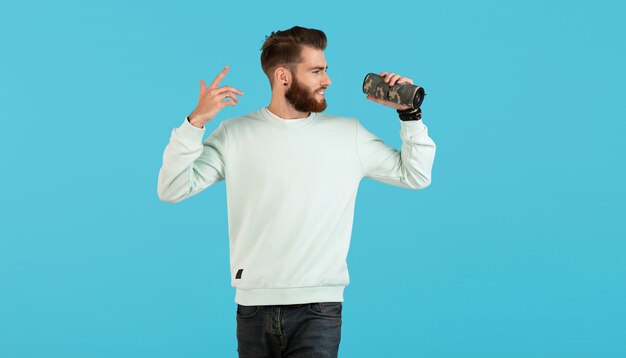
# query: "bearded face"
304,99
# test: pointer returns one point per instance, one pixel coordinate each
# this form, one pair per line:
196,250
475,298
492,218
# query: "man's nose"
326,81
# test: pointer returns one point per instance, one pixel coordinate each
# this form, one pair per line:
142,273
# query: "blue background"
515,250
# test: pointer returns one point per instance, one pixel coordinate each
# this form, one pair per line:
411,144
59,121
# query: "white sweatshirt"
291,189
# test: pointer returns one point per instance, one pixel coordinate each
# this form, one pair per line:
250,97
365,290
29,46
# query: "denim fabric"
294,331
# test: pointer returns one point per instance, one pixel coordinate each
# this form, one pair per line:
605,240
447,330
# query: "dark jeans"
304,330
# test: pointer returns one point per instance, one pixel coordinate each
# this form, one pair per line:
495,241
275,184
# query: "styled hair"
283,48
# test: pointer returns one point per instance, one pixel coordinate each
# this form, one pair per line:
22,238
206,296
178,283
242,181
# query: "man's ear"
282,75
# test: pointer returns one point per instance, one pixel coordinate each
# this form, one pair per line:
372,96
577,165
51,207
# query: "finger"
399,78
230,95
394,79
227,88
233,97
388,77
383,74
229,103
219,78
202,86
405,80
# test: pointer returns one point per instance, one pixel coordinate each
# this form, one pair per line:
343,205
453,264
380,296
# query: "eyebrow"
318,68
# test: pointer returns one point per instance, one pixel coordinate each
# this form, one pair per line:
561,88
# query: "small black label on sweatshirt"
238,276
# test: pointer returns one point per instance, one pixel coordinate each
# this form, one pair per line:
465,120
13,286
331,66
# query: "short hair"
284,48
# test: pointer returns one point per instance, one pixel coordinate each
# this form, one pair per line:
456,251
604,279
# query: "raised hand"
391,79
212,99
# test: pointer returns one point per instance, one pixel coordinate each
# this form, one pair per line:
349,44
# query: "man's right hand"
211,100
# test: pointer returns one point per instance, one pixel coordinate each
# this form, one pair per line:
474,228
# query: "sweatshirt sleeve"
409,168
189,165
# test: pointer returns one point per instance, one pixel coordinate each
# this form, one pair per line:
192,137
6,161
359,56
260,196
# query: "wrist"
410,114
194,121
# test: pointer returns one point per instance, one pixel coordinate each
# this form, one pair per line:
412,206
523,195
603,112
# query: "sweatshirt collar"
283,123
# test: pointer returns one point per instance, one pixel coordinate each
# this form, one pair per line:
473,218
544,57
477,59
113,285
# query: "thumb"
202,86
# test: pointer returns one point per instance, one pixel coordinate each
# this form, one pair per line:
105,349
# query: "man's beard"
304,100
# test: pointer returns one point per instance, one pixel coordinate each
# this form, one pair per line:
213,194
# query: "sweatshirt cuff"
412,127
190,132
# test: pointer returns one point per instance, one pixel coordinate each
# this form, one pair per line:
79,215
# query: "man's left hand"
391,79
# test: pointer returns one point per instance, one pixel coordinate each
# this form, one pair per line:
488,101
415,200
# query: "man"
292,175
